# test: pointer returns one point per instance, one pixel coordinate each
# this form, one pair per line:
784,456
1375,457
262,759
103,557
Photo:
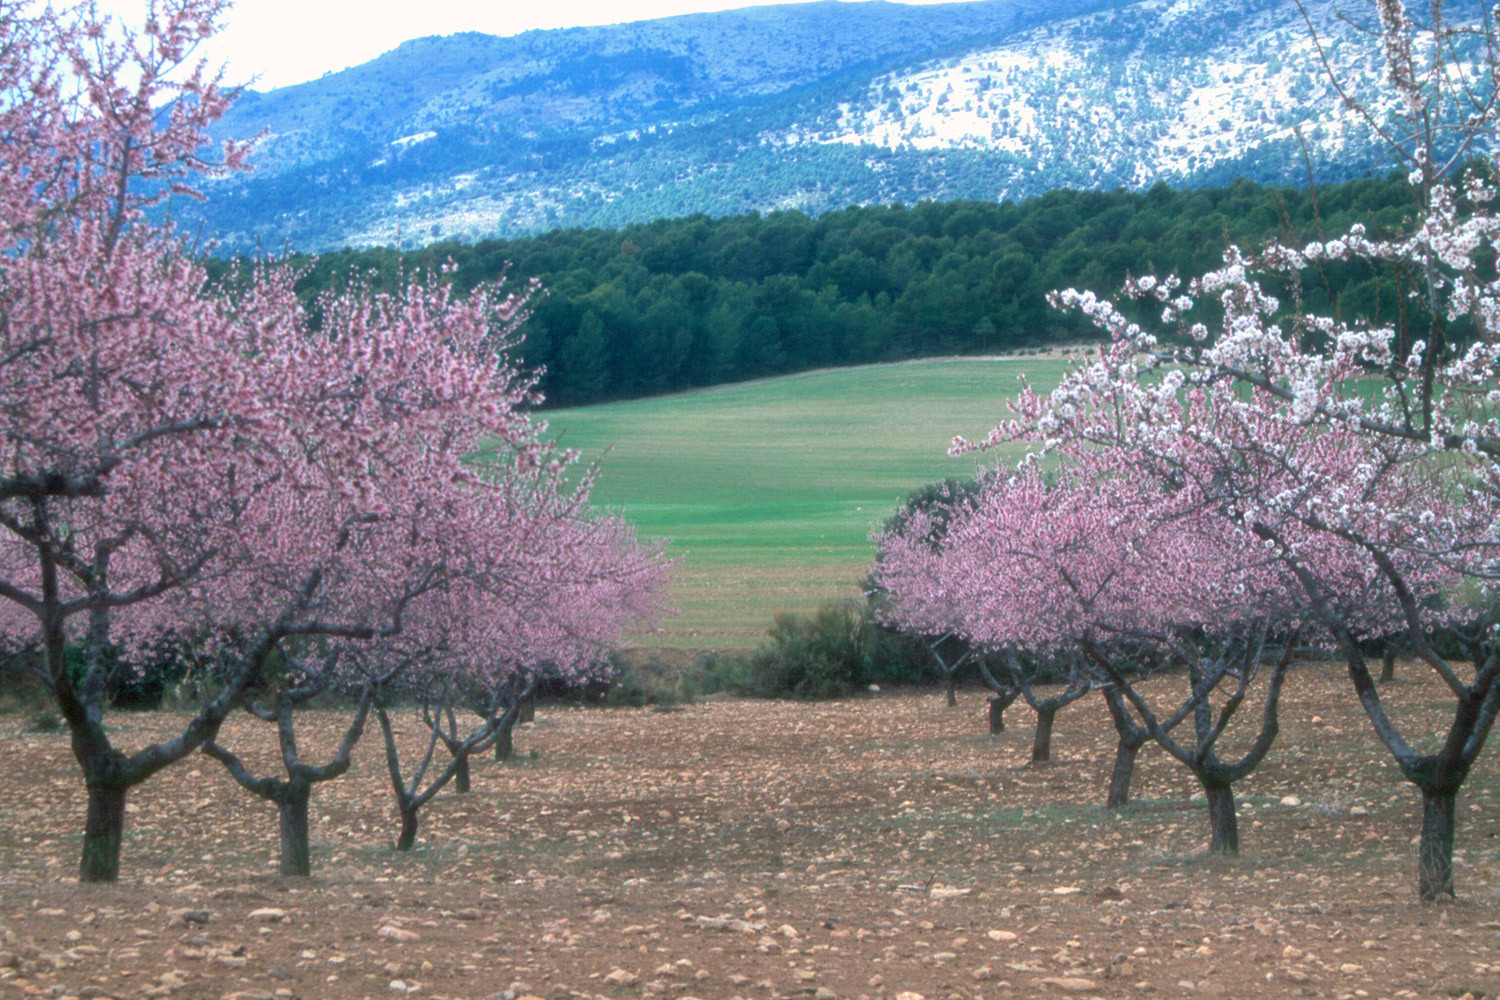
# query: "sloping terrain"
809,106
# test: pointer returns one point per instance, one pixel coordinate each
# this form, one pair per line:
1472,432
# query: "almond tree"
552,610
924,518
175,456
930,580
293,794
131,414
457,562
1413,403
1103,562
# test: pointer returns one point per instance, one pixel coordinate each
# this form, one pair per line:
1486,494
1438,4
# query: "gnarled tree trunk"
1119,777
504,742
1222,817
1435,849
103,832
408,836
998,704
1041,743
296,850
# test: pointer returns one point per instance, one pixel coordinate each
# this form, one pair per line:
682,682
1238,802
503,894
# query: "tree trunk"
952,694
103,830
1435,853
1388,665
408,838
296,853
528,709
1119,778
1221,815
998,704
1041,744
504,743
461,773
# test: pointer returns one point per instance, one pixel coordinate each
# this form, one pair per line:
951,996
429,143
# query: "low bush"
832,652
650,679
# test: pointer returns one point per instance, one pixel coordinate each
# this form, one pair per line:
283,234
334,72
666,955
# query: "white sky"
289,41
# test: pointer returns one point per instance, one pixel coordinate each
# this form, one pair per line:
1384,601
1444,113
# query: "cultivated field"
879,848
769,489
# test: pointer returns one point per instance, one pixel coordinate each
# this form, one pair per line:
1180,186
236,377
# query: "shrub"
652,680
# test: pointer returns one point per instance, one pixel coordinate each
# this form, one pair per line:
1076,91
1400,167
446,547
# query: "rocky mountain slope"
807,106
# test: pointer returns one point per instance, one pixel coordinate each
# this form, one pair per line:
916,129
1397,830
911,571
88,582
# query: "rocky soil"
883,847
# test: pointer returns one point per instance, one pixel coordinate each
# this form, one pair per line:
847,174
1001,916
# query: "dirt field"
884,847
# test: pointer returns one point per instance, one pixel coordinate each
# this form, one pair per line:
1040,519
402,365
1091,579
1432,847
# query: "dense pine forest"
697,301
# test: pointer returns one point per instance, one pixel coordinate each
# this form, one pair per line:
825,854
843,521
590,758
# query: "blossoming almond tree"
175,457
548,610
1414,402
130,412
1093,562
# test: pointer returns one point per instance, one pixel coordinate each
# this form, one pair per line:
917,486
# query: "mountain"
809,106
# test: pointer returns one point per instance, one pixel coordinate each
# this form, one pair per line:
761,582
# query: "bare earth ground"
879,847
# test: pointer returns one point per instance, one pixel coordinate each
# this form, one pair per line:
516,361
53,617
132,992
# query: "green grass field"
769,489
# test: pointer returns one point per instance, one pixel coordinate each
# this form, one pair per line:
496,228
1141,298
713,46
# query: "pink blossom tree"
933,589
183,461
1105,561
551,611
307,677
1383,439
132,413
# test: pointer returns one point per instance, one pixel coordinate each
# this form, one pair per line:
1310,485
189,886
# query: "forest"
698,301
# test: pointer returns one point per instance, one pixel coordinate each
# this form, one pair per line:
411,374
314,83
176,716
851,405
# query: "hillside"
677,303
769,489
810,106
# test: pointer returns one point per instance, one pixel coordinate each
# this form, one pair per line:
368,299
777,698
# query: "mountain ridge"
797,106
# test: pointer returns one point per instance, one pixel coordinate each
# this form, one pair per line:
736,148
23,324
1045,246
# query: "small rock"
1290,800
981,974
822,993
267,914
1066,890
468,913
948,892
1070,984
399,934
1358,811
1003,936
909,995
619,977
